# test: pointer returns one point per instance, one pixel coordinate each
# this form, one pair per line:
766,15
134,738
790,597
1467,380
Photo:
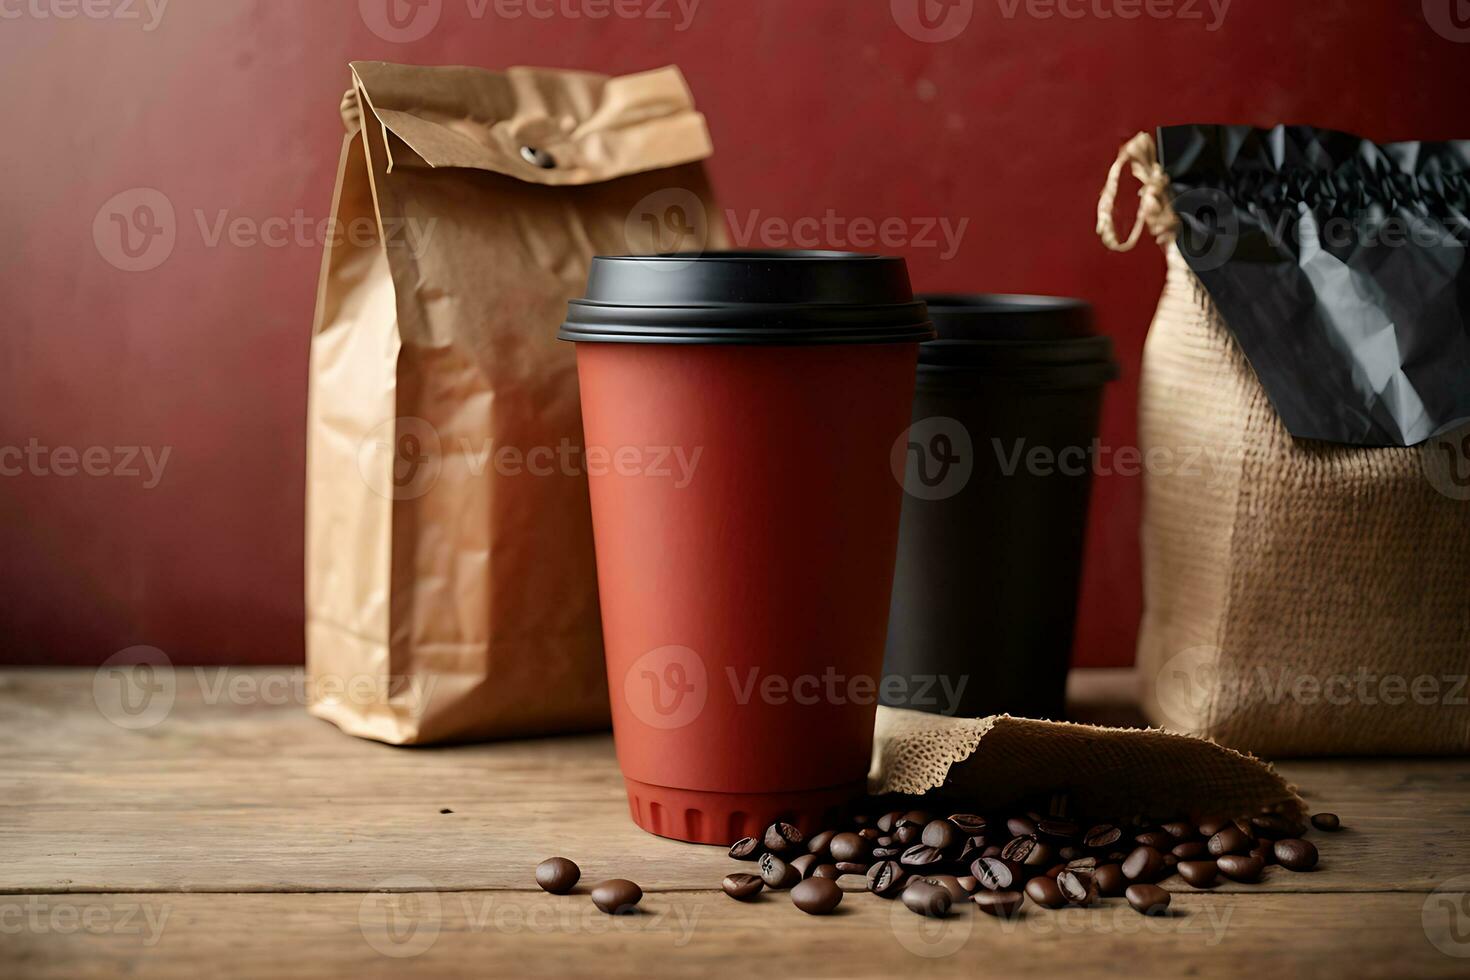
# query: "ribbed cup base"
702,817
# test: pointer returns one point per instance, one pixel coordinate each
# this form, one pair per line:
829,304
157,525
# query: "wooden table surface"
233,835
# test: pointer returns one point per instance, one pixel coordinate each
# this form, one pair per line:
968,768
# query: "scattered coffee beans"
557,875
998,862
742,887
816,896
616,896
1148,899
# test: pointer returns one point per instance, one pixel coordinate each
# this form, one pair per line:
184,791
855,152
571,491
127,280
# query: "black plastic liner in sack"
1341,268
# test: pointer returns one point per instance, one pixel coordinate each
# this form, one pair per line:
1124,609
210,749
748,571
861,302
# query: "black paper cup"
997,469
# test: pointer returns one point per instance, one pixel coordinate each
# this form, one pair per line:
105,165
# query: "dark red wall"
815,105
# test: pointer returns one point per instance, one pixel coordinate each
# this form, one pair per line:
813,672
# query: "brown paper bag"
1300,597
451,589
994,763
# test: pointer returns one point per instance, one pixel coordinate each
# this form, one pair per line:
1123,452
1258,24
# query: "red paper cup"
739,410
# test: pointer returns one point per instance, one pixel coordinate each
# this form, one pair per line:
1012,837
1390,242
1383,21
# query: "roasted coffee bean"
969,883
908,835
939,834
1148,899
997,874
1190,850
1102,836
782,837
1180,830
1110,880
1002,905
1057,829
1169,862
1210,826
819,844
921,856
1084,863
852,883
1200,874
1055,870
848,847
776,873
1144,864
949,883
1044,892
926,899
557,875
805,864
852,867
968,824
1021,827
1230,840
745,849
886,879
914,818
1078,886
972,848
1070,853
1239,867
991,851
1116,857
1326,821
889,821
869,834
1263,852
742,887
1273,827
1296,855
886,853
883,840
816,896
826,871
616,896
1019,848
1157,839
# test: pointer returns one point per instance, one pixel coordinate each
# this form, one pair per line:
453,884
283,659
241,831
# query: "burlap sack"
991,764
1300,597
451,588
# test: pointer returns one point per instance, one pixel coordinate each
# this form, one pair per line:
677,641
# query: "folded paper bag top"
451,588
999,761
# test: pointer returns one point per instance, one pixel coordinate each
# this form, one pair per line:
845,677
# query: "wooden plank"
705,934
248,793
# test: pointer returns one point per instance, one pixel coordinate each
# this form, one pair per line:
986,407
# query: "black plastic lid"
1013,333
980,316
761,297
